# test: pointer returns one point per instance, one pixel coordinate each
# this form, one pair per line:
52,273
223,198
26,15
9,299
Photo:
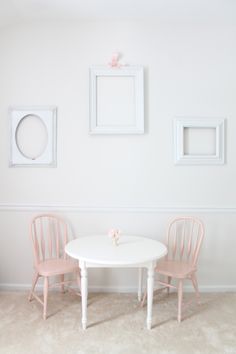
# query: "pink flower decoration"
115,235
114,60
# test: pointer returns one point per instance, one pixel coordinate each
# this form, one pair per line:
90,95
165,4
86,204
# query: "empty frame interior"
31,136
116,100
200,141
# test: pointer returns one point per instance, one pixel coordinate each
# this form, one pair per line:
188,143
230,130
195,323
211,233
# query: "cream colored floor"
116,325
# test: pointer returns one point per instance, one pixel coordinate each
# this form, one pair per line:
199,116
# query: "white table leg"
150,283
84,293
140,283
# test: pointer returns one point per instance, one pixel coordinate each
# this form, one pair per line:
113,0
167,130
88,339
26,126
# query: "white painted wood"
116,209
187,159
150,285
84,293
140,284
47,115
133,104
132,251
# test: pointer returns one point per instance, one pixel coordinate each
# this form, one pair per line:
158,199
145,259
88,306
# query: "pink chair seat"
175,269
52,267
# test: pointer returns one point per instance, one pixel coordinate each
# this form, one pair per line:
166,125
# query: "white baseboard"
123,289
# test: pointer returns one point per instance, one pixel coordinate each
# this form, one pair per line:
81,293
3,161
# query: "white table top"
131,250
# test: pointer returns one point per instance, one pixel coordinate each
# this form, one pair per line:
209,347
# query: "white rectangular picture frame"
204,159
116,100
48,117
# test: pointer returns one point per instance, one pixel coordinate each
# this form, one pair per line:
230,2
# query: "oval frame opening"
41,144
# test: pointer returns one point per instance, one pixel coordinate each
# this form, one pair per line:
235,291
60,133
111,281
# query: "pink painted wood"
49,235
184,238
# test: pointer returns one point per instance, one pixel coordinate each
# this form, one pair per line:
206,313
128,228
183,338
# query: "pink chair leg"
45,297
62,285
195,285
168,282
78,279
34,282
180,297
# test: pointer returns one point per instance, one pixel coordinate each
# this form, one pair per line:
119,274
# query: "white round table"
131,252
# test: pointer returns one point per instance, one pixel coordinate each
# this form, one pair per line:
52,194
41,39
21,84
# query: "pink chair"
184,239
49,235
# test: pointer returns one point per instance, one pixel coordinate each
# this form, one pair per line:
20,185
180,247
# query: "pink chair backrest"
184,238
49,235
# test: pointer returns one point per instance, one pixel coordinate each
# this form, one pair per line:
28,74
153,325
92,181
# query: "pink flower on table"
115,235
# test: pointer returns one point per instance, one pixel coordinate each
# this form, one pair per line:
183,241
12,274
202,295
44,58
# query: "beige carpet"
117,325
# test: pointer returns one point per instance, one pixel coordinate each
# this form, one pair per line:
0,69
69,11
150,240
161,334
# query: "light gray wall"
189,71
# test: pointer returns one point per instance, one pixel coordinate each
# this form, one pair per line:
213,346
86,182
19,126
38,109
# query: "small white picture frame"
211,128
32,136
116,100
